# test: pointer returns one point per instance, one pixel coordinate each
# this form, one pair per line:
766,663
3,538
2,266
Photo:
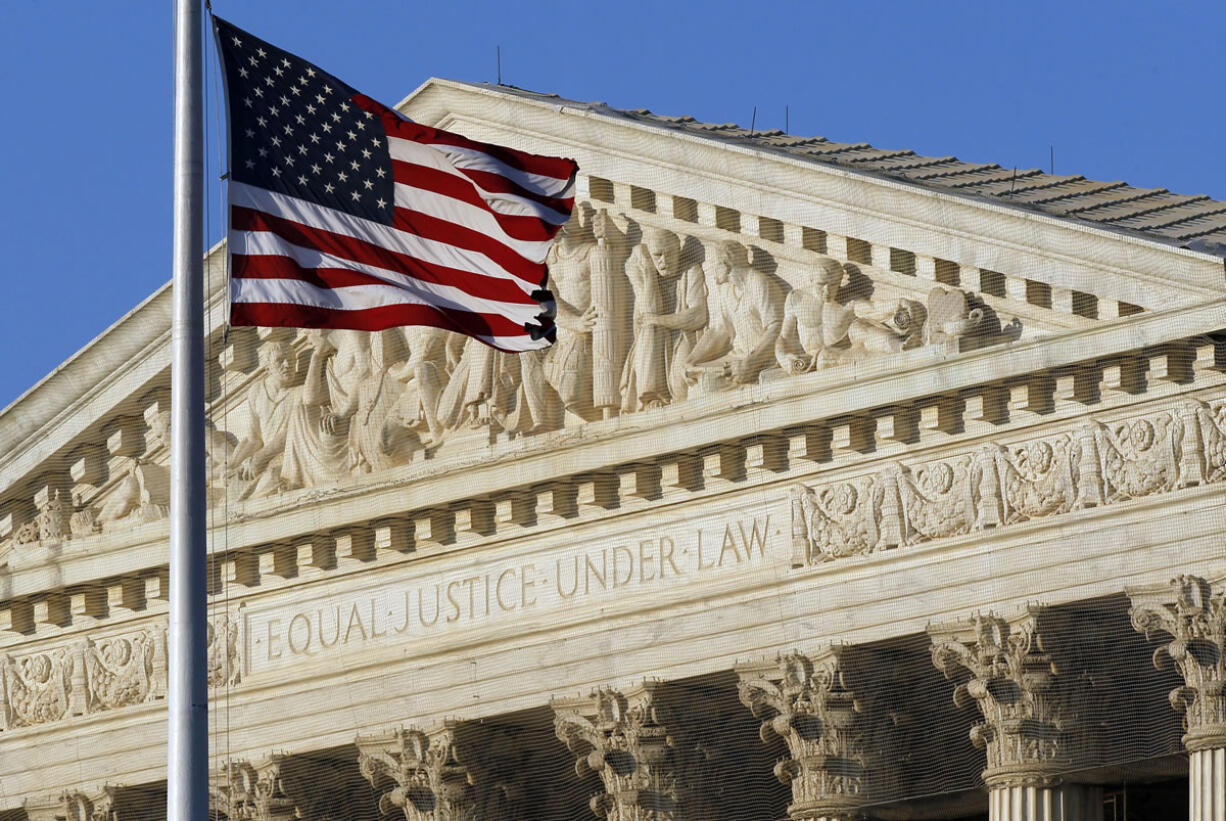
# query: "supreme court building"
858,485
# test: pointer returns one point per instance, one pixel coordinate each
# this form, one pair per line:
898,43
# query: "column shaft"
1207,785
1066,802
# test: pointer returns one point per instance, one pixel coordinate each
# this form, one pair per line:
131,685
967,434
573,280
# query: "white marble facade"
832,501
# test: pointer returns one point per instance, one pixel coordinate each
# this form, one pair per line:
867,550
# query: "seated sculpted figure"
820,331
745,320
286,445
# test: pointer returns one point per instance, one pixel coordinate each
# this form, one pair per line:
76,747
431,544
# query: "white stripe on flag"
263,243
328,219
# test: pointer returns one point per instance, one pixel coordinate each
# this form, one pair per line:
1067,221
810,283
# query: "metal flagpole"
187,796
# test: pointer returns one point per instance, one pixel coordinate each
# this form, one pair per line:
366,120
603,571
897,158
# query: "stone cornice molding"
1191,611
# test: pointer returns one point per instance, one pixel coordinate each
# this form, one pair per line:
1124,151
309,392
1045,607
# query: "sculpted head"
602,224
664,247
729,256
275,359
828,276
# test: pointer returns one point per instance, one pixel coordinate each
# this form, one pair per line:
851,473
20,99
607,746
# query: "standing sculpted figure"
610,299
680,328
745,323
645,378
424,374
569,365
286,446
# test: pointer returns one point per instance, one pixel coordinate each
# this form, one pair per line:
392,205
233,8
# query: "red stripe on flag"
529,229
502,290
498,184
281,315
557,167
259,266
440,230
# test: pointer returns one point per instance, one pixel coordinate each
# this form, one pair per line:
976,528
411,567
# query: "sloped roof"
1196,222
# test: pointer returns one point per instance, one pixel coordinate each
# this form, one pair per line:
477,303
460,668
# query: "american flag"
343,214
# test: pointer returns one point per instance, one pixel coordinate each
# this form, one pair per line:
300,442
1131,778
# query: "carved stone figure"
849,331
644,381
367,410
287,445
424,374
745,323
223,655
682,286
610,302
568,367
481,390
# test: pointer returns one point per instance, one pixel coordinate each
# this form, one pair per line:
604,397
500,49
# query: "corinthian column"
452,772
664,751
1027,715
807,701
1193,615
312,787
105,803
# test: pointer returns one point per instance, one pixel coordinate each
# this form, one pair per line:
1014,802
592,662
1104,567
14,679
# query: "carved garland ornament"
1000,485
97,675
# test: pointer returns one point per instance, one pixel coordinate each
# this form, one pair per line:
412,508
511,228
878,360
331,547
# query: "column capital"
283,787
809,702
664,751
1192,612
108,802
1002,667
455,771
623,736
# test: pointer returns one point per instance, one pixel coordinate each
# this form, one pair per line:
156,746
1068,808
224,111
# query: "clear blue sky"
1123,90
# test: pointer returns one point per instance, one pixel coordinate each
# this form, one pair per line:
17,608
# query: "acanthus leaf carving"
808,702
452,772
1192,614
1029,713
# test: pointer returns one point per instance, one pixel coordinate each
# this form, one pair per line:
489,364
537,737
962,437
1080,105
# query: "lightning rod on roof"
786,129
753,120
498,58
